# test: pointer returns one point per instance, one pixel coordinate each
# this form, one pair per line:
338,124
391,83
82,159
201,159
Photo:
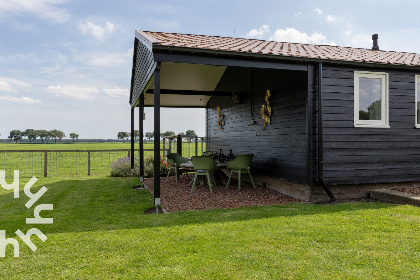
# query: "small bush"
149,169
122,167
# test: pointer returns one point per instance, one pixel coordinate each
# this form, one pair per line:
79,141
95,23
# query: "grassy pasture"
100,231
71,163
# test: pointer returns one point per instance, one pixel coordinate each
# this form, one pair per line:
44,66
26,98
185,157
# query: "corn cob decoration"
266,109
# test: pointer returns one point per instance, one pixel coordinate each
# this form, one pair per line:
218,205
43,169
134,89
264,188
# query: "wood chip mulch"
178,196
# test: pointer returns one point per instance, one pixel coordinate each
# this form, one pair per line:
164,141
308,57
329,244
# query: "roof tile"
284,49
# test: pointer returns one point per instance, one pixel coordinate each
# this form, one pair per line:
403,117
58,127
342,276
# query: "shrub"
149,169
122,168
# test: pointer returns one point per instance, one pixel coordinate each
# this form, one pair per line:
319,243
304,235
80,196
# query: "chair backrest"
176,158
203,162
240,162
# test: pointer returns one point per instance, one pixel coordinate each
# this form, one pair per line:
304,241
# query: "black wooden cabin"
339,115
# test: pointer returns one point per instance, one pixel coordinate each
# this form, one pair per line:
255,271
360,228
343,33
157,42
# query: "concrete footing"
395,197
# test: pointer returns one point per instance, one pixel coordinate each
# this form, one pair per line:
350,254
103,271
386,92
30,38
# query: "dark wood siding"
280,149
369,155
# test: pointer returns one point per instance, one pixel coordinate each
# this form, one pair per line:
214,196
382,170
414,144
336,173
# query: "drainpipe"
321,138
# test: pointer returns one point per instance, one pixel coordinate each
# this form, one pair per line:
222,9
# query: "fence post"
196,145
169,144
45,164
179,144
202,145
88,163
163,152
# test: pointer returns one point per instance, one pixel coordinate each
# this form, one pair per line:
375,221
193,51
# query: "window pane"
370,99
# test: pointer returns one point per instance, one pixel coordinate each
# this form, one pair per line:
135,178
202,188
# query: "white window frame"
384,121
417,89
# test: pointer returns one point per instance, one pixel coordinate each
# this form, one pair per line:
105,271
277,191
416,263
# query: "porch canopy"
181,70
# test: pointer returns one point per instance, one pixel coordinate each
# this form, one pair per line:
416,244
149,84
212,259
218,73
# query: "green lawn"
100,232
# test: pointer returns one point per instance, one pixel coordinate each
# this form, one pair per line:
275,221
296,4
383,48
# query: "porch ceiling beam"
191,92
230,59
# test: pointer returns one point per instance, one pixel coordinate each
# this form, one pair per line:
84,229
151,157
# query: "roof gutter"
321,138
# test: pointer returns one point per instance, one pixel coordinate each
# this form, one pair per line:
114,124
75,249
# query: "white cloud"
99,32
10,84
318,11
5,86
360,40
295,36
289,35
108,59
331,19
117,92
259,33
22,100
45,9
75,92
298,14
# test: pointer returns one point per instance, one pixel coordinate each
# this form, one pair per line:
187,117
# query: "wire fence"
189,145
54,163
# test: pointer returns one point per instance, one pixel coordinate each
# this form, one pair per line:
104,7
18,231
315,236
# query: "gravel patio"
178,196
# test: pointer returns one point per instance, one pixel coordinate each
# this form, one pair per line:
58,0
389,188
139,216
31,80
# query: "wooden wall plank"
280,149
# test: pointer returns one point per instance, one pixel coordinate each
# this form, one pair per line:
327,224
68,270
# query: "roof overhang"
199,70
185,85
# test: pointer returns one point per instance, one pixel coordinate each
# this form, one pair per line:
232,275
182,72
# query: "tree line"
32,135
149,135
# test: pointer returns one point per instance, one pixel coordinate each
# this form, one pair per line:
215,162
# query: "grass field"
71,163
100,232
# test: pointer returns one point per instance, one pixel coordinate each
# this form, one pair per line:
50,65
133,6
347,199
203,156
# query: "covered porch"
232,87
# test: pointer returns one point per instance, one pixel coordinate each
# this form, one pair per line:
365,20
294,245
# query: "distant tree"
74,136
60,135
50,134
123,135
149,135
167,133
15,135
136,134
43,134
31,134
55,134
190,133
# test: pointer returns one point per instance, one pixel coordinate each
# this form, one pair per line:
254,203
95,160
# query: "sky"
66,64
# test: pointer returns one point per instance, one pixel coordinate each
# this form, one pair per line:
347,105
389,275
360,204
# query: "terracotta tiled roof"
297,50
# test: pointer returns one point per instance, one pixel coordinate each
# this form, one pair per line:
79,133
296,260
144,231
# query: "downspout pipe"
321,138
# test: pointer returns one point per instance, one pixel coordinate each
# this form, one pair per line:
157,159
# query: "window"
418,101
370,99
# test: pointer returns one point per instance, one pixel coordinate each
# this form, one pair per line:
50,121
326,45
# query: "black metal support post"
132,140
179,144
196,145
141,131
156,144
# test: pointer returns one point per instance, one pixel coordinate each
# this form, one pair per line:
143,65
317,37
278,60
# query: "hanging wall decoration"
236,97
266,109
220,121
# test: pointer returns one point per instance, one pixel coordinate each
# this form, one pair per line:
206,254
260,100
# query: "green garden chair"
203,166
240,165
174,161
